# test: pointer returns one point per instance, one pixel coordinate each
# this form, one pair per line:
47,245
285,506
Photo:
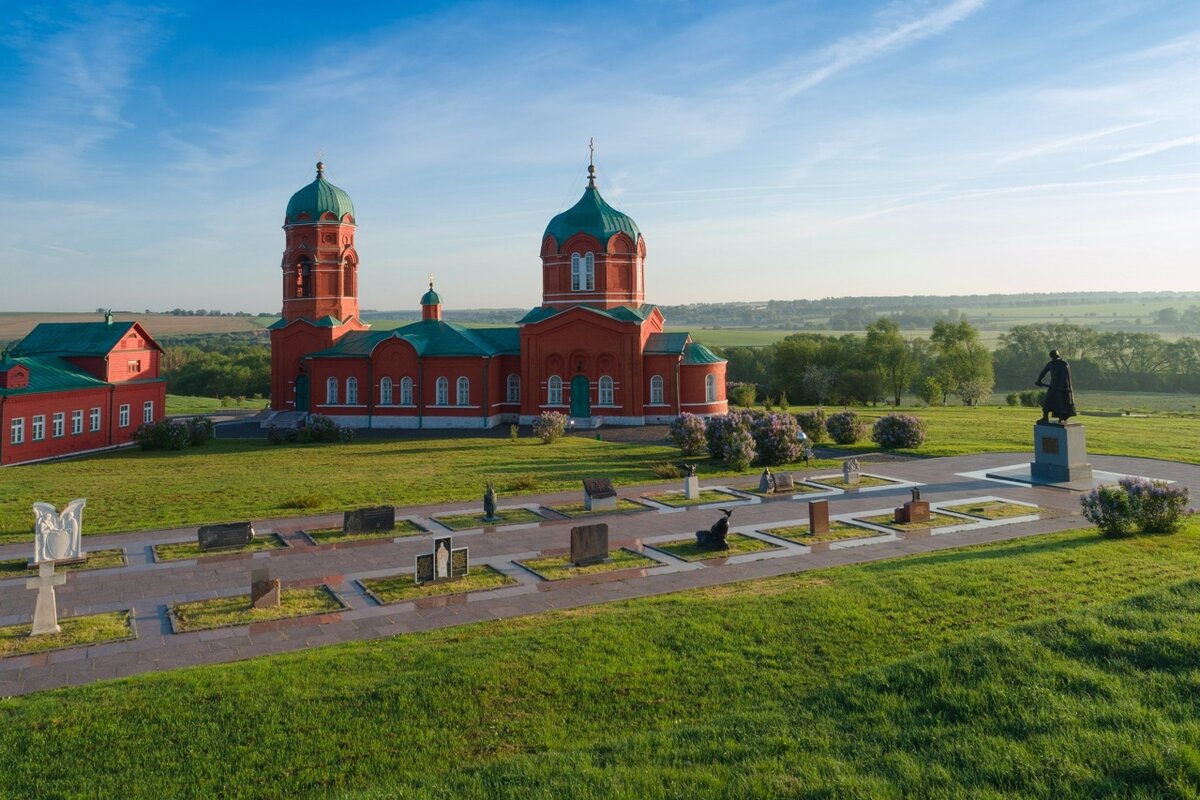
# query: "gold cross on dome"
591,151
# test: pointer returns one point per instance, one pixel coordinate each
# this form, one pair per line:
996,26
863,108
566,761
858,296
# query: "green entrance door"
302,393
581,401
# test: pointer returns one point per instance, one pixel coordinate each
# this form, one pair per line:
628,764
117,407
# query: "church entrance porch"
581,401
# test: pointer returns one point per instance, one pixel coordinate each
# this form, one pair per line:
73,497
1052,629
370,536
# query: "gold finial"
431,281
591,163
320,169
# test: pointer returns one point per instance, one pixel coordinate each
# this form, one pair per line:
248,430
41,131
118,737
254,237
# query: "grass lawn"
185,404
994,509
577,509
838,482
677,500
178,552
504,516
396,588
688,550
404,527
201,615
96,559
1055,666
935,520
557,568
838,530
92,629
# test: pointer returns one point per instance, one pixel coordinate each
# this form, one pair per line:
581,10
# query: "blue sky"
766,150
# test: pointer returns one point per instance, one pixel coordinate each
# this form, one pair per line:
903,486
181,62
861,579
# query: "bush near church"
173,435
729,438
319,430
845,427
550,425
896,431
687,433
1153,506
776,438
813,424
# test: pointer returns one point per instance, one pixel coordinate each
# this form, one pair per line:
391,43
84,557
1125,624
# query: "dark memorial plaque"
459,562
599,488
589,544
264,590
1050,445
424,569
220,537
369,520
784,482
818,516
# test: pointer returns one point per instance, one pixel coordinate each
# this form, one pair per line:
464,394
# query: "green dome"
319,197
431,298
593,216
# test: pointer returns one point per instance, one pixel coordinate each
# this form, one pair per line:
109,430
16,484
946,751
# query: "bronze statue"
714,537
489,502
1060,397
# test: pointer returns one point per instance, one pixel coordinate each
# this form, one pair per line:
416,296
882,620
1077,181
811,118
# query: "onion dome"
593,216
431,298
318,198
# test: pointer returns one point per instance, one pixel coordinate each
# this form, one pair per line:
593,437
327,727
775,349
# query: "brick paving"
147,587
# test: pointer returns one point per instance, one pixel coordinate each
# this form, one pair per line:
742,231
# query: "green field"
901,678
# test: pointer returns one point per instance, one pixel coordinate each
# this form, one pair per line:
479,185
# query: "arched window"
583,272
352,391
514,388
710,388
349,276
406,393
462,392
385,392
331,392
554,391
656,390
605,395
443,392
304,279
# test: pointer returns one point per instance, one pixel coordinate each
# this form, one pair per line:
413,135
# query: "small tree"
743,394
549,425
687,433
930,391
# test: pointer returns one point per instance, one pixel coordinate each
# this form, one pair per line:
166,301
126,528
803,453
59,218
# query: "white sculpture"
58,537
45,611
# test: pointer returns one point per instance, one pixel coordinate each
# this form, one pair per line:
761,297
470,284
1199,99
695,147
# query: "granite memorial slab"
265,591
818,517
225,536
589,544
446,562
375,519
784,482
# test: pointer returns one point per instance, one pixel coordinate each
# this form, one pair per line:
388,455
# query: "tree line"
217,366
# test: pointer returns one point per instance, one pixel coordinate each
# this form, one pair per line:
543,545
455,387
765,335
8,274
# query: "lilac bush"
898,430
728,438
845,427
1107,507
687,432
813,424
549,425
1156,506
776,439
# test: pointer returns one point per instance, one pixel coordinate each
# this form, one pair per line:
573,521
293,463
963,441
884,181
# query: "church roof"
48,374
637,314
699,354
75,338
429,338
319,197
324,322
593,216
672,343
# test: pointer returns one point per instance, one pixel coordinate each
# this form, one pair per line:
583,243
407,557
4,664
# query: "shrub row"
173,434
319,429
1151,506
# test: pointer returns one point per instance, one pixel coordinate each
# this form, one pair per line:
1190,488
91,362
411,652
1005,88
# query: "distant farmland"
15,326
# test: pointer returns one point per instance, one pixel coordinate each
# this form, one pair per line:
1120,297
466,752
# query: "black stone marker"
589,544
599,488
458,562
424,568
221,537
369,520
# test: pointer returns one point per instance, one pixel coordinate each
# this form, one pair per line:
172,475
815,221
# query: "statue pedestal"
1059,453
691,487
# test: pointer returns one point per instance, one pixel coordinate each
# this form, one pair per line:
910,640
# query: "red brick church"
594,349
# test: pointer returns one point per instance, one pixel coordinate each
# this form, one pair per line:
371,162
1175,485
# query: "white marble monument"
58,537
45,613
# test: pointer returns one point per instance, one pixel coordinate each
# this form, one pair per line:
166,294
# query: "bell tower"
320,264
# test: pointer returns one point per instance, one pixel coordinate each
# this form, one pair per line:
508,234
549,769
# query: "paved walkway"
147,588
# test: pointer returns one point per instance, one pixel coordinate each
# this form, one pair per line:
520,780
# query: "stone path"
148,588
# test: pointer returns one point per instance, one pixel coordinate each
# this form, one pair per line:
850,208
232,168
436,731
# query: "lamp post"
570,426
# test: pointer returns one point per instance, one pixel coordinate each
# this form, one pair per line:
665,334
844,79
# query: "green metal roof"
672,343
593,216
49,374
74,338
429,338
431,298
637,314
699,354
319,197
324,322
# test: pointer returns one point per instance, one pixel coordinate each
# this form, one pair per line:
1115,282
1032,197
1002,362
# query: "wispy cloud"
1149,150
1069,142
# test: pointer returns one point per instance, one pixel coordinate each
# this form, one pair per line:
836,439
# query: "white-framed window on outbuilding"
554,391
351,391
39,427
59,421
656,390
583,272
462,392
94,420
77,422
710,388
18,431
406,391
122,416
385,392
604,396
148,411
331,392
514,388
442,396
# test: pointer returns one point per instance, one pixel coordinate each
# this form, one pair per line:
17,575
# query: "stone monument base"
1059,453
691,487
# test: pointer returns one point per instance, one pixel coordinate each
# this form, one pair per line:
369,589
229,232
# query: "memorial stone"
784,482
369,520
265,591
818,517
220,537
446,562
766,481
45,611
589,544
58,537
850,473
599,494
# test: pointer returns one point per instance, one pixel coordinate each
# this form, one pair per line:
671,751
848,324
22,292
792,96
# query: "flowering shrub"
729,438
813,424
200,430
898,430
161,435
1107,507
845,427
318,429
687,432
776,439
549,426
1156,506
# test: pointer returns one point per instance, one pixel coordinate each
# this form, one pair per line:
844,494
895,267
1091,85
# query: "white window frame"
59,422
406,391
604,392
385,392
123,418
513,394
94,419
462,391
331,391
351,391
17,434
554,394
656,390
442,392
710,388
148,411
77,422
583,272
38,428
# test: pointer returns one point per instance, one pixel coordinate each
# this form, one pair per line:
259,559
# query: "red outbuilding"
77,387
594,349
